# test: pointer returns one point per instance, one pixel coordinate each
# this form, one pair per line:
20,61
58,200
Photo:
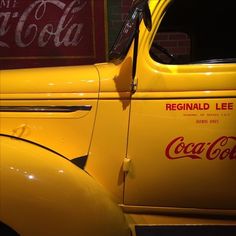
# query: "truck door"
182,137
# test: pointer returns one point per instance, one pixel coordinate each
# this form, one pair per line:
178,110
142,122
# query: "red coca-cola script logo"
222,148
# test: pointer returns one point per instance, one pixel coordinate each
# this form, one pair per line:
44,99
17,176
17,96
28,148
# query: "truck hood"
48,82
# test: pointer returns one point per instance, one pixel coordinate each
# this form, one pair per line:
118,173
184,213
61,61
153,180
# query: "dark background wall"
117,11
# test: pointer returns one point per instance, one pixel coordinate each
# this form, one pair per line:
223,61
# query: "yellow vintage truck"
144,144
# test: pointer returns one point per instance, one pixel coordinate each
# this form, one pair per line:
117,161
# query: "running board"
186,230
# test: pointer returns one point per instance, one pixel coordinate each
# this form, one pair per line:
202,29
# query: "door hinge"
134,86
126,164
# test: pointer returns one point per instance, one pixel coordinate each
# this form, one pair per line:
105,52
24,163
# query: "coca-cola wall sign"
51,32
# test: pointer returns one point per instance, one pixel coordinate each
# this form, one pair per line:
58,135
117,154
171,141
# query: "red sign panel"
51,32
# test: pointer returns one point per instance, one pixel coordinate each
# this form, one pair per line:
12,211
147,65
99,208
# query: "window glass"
196,31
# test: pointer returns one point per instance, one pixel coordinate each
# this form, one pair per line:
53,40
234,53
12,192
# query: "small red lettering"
230,106
168,107
187,106
224,106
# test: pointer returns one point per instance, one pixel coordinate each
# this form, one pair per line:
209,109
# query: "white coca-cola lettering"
8,3
4,28
222,148
65,33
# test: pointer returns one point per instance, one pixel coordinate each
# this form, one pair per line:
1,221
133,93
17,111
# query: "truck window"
196,32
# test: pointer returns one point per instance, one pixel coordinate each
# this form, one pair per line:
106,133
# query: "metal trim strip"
64,109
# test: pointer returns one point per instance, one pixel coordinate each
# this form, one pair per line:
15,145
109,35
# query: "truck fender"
44,194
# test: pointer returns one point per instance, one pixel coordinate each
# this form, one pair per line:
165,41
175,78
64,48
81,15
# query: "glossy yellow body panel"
44,194
73,80
115,78
66,133
109,142
108,147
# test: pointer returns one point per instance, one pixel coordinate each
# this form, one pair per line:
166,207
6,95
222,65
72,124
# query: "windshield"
126,35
